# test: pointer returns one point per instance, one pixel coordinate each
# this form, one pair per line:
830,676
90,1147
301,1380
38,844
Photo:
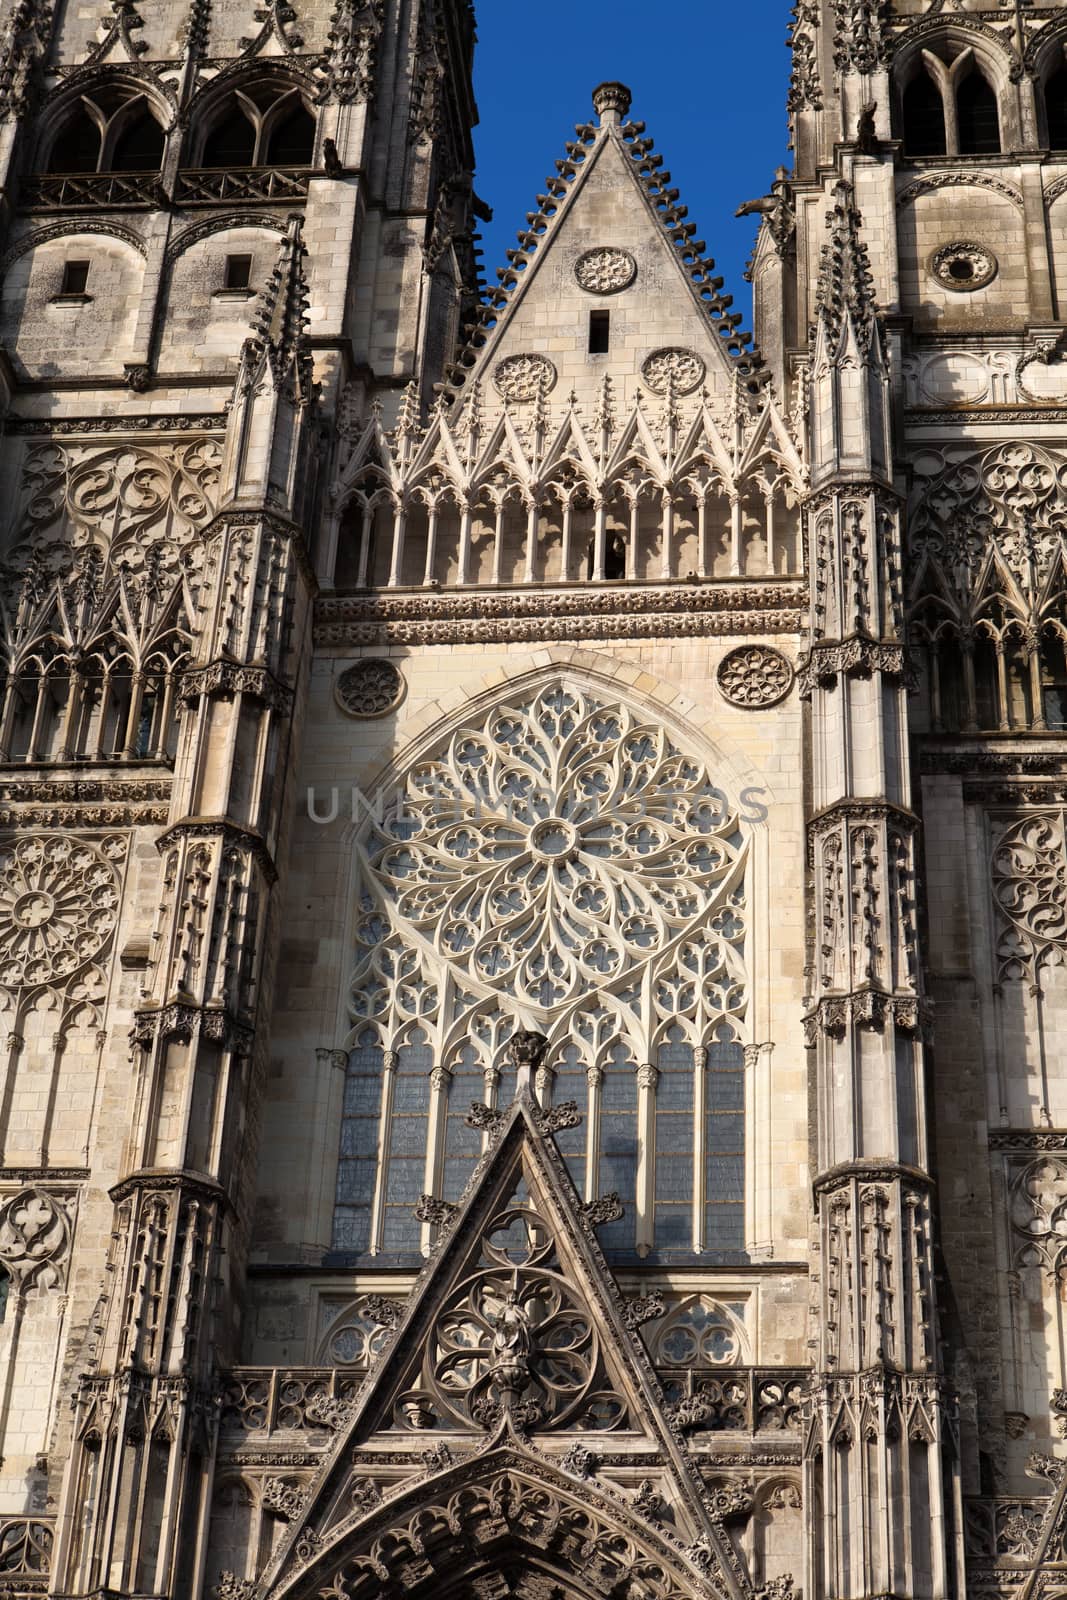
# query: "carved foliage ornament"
681,370
59,900
372,688
963,266
754,676
605,270
524,377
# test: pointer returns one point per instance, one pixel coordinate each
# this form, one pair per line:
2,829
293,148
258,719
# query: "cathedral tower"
532,826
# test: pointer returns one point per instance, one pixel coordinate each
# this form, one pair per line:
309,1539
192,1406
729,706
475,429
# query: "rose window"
58,903
557,847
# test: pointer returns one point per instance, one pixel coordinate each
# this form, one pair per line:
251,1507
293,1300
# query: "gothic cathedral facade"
533,827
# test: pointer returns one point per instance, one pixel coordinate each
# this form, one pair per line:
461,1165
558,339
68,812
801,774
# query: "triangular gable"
516,1335
612,216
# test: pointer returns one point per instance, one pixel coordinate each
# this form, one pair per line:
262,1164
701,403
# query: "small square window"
599,332
75,277
238,272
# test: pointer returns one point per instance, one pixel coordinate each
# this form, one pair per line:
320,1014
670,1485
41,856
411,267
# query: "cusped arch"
510,1514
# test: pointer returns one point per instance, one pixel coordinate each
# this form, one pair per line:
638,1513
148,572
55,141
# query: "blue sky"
708,79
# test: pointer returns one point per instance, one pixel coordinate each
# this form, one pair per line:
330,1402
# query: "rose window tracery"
605,270
513,1335
58,903
558,863
557,847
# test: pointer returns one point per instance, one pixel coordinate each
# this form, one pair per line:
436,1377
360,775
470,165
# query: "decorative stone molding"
229,678
59,901
524,377
543,617
182,1021
680,371
754,676
855,657
36,1228
608,1208
643,1308
963,266
371,688
284,1500
441,1213
605,270
579,1460
835,1014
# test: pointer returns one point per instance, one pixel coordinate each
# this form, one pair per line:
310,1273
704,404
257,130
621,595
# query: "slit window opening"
599,332
75,277
238,272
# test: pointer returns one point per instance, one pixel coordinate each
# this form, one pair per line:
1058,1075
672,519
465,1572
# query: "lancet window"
262,125
108,130
563,866
949,107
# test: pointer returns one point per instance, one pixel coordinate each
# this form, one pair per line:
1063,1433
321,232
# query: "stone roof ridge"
611,101
844,296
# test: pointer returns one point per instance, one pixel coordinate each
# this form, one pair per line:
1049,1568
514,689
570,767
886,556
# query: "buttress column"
880,1449
134,1507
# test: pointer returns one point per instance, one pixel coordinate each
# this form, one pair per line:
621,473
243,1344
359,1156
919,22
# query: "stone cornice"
476,616
220,827
154,1179
861,810
1028,1140
834,1014
875,1169
854,657
172,422
185,1020
229,678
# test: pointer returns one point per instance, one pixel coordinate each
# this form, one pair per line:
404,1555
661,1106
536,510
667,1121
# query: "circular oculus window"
963,266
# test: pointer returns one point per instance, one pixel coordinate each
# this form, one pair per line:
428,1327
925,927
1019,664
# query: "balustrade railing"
234,185
267,1400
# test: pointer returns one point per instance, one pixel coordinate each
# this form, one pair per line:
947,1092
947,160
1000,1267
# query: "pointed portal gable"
608,280
516,1337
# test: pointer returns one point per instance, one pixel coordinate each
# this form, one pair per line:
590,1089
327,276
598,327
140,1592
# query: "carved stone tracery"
514,1337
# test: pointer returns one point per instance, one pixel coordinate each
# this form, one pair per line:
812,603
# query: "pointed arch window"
109,130
76,147
1055,98
950,107
266,124
924,117
977,119
561,864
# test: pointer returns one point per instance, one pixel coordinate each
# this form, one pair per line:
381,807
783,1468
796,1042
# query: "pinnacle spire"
845,293
278,324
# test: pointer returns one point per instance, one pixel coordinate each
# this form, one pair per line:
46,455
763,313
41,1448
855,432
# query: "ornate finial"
611,101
